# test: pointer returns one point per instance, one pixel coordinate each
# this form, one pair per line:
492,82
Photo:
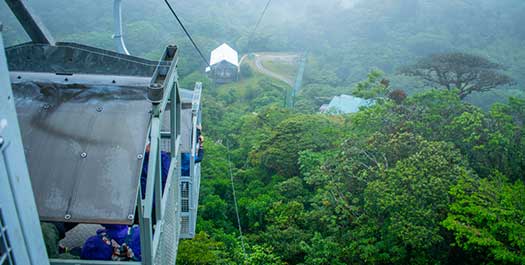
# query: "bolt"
99,109
67,217
83,155
131,217
139,156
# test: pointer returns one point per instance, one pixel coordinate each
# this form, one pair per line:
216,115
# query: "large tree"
466,72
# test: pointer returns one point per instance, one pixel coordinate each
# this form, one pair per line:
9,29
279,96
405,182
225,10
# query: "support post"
19,224
30,22
162,88
119,35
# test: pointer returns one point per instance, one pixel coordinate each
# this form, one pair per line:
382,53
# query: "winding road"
261,57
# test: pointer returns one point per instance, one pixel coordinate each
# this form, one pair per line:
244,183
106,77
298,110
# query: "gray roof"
347,104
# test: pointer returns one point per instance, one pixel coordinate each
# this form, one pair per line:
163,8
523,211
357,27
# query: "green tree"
280,151
262,255
487,218
322,251
201,250
246,71
374,87
466,72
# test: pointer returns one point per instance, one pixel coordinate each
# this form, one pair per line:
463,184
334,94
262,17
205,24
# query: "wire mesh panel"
195,197
167,249
6,255
165,145
185,195
185,225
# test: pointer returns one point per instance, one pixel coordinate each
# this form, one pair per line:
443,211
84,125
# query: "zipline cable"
259,21
187,33
235,200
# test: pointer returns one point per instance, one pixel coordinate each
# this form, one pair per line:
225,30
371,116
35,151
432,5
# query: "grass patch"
283,68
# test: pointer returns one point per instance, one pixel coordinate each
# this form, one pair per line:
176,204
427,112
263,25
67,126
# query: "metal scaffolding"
20,235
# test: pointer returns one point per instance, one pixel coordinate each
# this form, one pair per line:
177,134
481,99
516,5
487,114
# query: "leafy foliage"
487,218
466,72
372,187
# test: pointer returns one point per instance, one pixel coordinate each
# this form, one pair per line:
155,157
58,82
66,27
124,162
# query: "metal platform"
84,149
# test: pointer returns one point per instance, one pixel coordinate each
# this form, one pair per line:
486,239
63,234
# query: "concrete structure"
224,64
345,104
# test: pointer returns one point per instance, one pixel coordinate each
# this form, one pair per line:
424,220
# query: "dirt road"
285,57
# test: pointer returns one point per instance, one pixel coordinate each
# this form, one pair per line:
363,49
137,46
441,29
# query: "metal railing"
159,233
20,234
159,210
191,184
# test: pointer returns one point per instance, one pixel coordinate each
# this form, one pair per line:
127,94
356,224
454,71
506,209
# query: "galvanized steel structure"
86,116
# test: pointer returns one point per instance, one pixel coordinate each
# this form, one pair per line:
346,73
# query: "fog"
346,38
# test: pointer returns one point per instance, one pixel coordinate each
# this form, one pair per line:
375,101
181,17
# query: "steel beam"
118,36
30,22
74,58
298,79
78,80
17,204
159,246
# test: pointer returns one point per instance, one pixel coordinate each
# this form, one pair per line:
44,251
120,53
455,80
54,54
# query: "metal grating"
185,205
185,208
165,145
185,191
6,254
195,197
167,249
185,225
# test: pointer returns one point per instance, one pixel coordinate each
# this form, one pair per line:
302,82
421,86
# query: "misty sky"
359,34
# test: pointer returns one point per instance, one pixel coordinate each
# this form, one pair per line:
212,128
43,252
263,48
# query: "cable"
235,200
259,21
187,33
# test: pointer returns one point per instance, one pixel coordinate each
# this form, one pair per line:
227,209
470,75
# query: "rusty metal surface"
84,149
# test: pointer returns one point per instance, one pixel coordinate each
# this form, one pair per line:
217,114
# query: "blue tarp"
347,104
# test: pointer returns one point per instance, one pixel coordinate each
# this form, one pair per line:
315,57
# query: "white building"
224,62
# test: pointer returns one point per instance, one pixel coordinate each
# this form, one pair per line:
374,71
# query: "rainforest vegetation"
432,173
